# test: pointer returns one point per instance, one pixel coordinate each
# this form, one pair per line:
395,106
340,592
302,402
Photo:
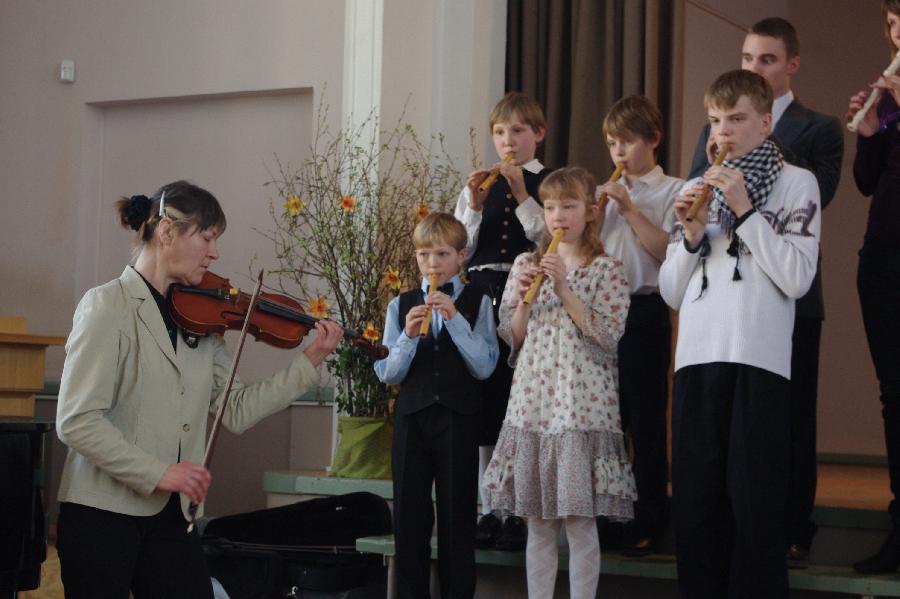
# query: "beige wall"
123,51
841,49
841,54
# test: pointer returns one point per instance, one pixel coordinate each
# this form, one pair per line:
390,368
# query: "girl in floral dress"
561,458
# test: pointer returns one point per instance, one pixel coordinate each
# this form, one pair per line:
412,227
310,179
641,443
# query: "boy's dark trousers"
644,353
730,426
440,445
801,496
496,387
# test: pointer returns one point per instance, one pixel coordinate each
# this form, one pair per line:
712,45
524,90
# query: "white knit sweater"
748,321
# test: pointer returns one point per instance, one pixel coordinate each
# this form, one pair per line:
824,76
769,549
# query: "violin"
214,306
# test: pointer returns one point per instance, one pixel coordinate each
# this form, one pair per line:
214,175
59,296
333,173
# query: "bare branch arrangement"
342,222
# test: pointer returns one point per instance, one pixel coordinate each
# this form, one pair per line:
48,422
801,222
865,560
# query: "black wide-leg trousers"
730,427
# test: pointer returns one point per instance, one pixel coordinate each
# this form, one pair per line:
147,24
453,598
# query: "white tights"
542,557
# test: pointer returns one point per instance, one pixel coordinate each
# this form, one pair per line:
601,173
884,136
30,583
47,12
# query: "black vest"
501,237
438,373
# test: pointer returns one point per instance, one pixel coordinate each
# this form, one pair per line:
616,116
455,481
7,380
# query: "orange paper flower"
371,333
422,211
392,279
293,205
317,306
348,203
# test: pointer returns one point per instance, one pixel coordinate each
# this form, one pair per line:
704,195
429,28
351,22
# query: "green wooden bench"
830,579
816,578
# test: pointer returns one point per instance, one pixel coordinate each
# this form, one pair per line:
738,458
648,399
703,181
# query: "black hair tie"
137,211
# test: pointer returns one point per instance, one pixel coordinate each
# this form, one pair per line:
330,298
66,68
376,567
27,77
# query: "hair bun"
137,210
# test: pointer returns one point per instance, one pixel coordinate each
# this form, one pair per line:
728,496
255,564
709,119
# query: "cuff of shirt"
743,218
404,342
696,249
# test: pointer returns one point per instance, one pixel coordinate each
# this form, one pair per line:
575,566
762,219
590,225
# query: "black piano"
23,533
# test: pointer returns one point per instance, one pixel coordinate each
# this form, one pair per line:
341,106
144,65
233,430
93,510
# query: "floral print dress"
561,451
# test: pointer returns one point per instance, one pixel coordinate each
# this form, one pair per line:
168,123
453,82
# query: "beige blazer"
128,402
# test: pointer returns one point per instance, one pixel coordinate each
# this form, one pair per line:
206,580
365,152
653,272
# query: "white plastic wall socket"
67,71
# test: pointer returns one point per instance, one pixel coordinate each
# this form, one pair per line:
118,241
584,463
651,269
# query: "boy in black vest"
502,222
438,412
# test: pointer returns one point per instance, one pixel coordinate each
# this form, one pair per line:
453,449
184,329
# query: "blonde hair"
728,88
634,116
521,105
573,182
437,228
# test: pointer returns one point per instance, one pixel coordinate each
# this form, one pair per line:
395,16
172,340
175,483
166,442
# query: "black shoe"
611,534
635,541
487,531
797,557
886,560
638,547
513,535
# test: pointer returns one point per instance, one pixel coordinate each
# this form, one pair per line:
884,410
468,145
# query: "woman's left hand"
555,267
328,335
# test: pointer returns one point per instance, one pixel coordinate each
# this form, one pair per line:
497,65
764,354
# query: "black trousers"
644,353
104,554
729,478
878,283
441,446
495,389
801,496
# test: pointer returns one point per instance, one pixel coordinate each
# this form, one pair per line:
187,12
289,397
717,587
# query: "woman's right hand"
185,477
869,125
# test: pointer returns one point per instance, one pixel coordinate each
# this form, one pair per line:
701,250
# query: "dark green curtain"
577,57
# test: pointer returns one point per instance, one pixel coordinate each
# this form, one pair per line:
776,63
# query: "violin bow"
214,432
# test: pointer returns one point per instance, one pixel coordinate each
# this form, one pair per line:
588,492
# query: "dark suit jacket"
809,140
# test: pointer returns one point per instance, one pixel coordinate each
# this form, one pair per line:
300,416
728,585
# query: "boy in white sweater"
734,272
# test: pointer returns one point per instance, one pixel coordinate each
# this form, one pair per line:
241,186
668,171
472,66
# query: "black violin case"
305,550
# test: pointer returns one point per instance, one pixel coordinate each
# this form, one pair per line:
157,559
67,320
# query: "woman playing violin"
133,407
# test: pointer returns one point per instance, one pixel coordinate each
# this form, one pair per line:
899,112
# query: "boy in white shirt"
636,231
734,272
502,221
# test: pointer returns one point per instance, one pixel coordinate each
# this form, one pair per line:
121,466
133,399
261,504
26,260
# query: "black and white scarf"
761,168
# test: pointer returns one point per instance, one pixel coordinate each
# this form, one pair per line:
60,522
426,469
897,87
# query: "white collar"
533,166
781,104
650,179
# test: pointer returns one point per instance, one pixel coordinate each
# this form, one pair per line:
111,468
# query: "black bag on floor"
303,550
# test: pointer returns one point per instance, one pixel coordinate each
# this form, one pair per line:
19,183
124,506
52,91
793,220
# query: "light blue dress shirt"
478,346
